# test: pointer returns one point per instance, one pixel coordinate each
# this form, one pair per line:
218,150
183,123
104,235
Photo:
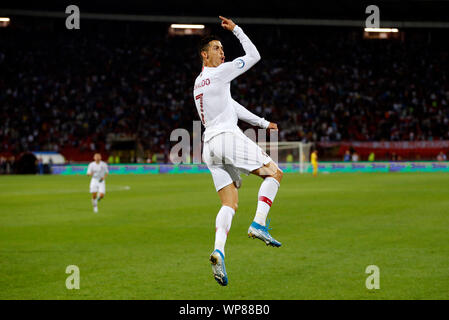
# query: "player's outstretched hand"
227,24
272,126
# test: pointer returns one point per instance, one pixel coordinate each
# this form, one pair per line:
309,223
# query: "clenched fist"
273,126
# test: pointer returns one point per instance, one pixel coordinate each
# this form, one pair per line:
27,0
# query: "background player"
98,170
227,151
314,161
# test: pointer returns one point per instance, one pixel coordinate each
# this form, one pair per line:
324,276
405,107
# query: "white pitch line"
110,189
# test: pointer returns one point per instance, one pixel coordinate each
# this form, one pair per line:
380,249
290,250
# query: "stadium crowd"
63,89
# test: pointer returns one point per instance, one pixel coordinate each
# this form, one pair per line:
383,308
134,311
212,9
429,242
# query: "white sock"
94,202
222,226
267,193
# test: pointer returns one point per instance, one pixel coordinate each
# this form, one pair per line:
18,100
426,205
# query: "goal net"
289,152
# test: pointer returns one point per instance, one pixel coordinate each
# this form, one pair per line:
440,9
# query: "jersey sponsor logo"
203,83
239,63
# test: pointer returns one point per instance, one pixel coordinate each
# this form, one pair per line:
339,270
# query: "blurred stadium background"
122,82
368,102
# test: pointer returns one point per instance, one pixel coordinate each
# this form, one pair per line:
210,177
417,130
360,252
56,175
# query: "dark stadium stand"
66,91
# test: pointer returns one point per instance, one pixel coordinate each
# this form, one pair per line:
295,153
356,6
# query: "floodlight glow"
5,19
187,26
381,30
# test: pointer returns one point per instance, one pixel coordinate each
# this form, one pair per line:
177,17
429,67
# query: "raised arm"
230,70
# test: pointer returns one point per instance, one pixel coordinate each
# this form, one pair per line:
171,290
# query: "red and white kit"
227,150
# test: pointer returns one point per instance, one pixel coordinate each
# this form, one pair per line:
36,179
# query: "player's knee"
232,204
278,175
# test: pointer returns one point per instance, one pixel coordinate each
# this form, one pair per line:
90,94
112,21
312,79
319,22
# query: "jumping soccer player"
227,151
98,170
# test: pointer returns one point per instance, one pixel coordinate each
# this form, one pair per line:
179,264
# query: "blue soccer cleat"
261,232
218,267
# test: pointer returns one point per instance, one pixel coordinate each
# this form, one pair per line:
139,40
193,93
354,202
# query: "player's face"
214,56
97,157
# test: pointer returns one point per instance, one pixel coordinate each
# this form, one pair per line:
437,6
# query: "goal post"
289,152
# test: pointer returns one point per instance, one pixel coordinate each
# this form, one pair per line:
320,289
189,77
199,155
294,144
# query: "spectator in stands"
394,157
347,156
2,165
441,156
116,158
59,92
40,165
10,166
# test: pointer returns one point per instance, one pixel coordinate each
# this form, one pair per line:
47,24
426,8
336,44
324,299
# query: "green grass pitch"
153,239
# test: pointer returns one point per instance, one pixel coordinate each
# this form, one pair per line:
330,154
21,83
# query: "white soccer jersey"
212,92
98,171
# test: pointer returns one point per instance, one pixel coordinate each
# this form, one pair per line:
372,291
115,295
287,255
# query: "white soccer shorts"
229,154
97,186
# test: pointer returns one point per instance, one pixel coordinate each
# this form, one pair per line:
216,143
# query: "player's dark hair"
204,43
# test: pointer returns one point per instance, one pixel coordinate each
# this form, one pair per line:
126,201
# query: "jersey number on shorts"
200,97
